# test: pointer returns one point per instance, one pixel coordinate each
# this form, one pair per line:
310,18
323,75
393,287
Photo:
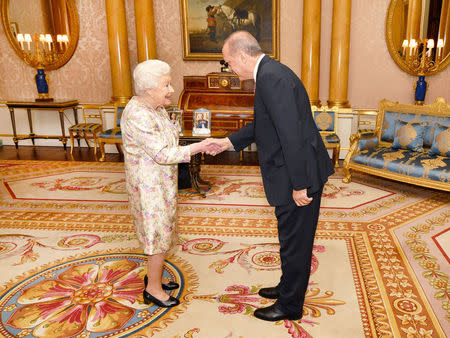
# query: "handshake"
211,146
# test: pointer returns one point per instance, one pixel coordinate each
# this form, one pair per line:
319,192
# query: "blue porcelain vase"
421,89
41,82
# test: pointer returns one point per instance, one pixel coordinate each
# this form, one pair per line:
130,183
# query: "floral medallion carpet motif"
71,265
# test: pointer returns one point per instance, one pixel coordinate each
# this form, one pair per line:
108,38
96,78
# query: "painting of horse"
241,19
207,23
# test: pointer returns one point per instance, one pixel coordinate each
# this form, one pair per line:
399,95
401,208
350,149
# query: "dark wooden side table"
59,106
194,165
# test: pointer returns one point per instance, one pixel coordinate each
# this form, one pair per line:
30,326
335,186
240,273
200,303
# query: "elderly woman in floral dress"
150,142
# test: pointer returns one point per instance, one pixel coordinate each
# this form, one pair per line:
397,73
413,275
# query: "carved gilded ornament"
224,82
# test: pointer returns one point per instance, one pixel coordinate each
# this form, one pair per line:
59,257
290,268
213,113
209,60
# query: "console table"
194,165
58,106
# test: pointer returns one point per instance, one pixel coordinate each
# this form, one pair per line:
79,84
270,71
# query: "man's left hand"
301,197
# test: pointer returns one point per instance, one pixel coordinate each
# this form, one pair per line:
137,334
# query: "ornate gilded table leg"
63,137
30,125
75,115
13,121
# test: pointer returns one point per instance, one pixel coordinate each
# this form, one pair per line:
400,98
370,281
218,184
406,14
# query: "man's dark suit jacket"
291,152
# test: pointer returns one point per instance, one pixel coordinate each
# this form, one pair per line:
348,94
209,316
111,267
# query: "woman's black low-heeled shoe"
168,286
148,298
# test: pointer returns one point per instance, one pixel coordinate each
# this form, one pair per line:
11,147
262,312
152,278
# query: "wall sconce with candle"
422,58
40,50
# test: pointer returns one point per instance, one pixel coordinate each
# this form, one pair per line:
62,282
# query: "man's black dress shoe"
273,314
167,286
271,293
148,298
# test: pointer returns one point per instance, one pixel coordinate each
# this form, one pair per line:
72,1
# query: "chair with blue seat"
112,135
89,129
326,119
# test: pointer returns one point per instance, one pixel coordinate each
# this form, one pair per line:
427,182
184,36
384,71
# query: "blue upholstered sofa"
411,143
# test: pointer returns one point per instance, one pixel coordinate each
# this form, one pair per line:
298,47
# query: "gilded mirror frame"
391,48
73,38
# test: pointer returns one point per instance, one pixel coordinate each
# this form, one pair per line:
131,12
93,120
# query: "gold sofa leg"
346,169
348,175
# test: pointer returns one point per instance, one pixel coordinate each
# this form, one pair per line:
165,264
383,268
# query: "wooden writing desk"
59,106
194,165
229,100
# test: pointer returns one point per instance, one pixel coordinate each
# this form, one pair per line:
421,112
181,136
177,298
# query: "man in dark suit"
294,163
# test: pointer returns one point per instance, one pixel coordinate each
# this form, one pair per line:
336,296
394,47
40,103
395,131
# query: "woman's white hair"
147,75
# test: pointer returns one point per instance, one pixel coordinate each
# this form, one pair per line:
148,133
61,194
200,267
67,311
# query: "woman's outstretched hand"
211,146
217,145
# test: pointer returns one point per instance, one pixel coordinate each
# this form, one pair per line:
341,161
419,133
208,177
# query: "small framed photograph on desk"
202,122
176,117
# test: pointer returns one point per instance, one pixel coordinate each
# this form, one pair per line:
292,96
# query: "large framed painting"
207,23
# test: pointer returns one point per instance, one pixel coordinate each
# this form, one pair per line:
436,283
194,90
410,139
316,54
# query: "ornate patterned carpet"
71,265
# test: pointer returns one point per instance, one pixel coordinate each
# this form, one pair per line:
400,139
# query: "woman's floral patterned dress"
151,150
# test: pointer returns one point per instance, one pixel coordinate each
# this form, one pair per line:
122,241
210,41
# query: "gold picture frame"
205,27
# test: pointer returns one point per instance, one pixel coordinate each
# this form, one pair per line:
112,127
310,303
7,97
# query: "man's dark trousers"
296,231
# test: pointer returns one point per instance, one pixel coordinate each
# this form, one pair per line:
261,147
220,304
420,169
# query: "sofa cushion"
390,118
406,162
441,141
368,142
428,135
409,136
